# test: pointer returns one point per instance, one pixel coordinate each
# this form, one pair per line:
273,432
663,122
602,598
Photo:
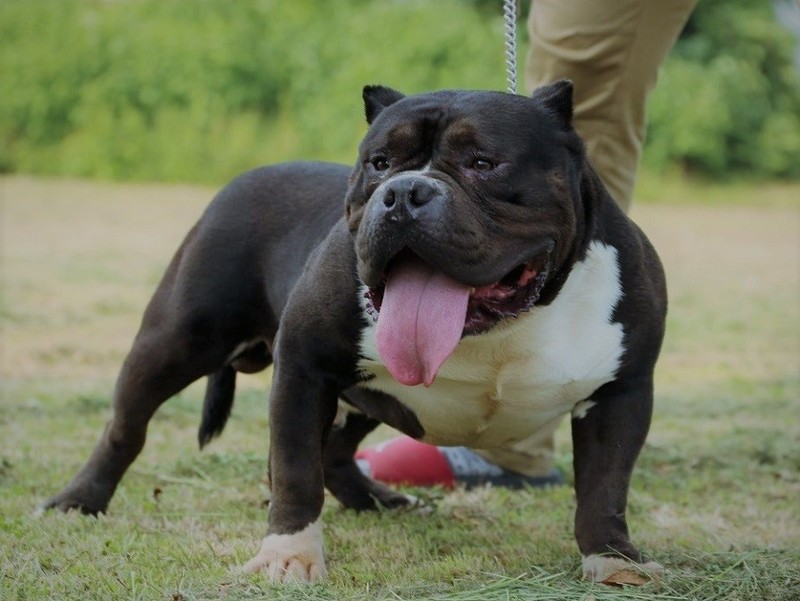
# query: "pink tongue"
420,321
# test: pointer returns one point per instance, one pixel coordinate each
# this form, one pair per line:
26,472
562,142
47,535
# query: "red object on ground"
404,460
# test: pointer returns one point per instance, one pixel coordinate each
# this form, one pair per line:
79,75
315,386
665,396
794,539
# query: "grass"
714,496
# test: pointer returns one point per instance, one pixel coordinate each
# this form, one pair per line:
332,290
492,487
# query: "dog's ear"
556,96
377,98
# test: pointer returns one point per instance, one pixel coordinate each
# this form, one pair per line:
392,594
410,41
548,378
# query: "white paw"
291,558
611,569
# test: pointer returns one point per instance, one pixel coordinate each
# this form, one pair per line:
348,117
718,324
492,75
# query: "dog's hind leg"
156,369
184,336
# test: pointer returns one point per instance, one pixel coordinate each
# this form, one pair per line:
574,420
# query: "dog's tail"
217,404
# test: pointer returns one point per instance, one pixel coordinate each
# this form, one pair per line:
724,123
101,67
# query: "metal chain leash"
510,27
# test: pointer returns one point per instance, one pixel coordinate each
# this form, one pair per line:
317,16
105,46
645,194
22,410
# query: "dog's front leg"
302,408
315,359
608,433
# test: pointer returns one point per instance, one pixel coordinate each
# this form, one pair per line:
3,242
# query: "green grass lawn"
714,497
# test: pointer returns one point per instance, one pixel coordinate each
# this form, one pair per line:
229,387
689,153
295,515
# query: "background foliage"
200,90
728,101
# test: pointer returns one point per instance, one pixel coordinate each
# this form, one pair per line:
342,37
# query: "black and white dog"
480,285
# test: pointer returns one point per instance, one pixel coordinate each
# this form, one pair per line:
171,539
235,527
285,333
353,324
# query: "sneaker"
404,460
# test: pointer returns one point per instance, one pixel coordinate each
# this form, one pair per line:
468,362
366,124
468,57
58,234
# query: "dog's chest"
504,385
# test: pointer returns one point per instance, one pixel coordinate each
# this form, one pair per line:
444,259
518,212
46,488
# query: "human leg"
612,51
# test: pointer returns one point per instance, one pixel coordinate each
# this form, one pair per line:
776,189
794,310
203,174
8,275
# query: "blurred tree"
728,101
200,90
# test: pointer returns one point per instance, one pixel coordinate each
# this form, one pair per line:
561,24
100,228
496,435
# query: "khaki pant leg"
612,51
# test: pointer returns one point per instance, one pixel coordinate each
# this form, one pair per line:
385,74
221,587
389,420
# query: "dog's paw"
615,570
291,558
67,501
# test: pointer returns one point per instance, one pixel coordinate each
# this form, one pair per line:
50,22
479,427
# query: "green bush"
173,90
728,101
200,90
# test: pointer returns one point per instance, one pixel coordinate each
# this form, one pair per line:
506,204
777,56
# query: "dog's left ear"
557,96
377,98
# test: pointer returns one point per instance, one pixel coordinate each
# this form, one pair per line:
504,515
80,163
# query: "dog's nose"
408,196
409,192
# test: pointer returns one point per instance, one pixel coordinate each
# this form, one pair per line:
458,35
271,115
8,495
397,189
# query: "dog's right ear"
377,98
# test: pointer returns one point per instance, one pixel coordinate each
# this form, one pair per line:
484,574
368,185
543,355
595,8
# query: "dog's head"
472,196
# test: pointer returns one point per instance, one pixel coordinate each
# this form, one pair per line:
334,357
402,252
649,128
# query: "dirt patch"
81,259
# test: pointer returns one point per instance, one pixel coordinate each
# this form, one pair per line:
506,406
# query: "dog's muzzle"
410,197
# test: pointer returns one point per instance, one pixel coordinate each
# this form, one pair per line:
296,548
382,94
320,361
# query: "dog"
479,285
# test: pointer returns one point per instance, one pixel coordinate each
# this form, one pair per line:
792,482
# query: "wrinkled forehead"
480,119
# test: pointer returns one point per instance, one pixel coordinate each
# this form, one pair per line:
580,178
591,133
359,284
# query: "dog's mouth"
515,293
422,313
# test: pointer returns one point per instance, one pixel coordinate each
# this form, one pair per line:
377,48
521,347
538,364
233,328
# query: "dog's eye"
482,164
380,163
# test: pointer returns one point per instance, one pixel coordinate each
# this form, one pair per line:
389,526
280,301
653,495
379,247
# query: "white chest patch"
504,385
